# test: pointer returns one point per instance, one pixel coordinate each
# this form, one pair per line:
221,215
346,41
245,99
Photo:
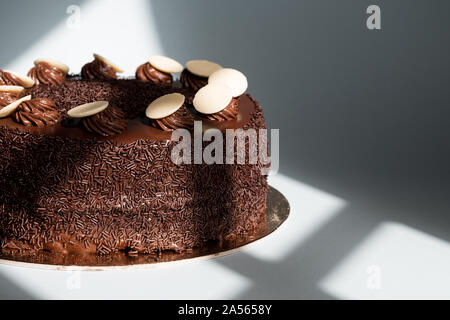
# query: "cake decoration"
87,109
54,63
10,108
109,122
230,112
38,112
48,71
212,98
165,64
169,113
158,70
233,78
11,78
100,68
146,72
196,73
9,94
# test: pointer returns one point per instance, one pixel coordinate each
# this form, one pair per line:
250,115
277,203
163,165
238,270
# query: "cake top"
98,104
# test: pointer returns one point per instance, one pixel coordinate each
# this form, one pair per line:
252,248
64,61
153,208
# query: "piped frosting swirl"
192,81
45,73
37,112
108,122
230,112
180,119
7,78
7,98
98,69
146,72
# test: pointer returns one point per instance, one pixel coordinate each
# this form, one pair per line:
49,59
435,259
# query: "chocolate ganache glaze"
45,73
7,78
146,72
192,81
180,119
132,96
7,98
38,112
109,122
98,69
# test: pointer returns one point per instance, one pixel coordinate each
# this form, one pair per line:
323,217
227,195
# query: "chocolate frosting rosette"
196,73
100,118
169,113
158,70
100,68
38,112
9,94
10,78
48,71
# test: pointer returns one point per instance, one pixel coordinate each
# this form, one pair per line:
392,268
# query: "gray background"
362,114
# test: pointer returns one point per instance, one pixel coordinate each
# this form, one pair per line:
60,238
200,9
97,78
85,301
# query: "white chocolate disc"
10,108
165,64
109,63
212,98
59,65
11,89
27,81
165,106
88,109
202,68
232,78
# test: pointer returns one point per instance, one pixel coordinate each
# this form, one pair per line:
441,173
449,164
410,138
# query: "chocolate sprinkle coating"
94,196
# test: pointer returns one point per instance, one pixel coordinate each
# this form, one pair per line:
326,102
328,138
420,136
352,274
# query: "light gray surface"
363,115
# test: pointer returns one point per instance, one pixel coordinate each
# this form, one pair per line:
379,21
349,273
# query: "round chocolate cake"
86,166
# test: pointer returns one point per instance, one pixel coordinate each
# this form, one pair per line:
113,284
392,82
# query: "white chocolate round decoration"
212,98
165,64
233,78
10,108
88,109
27,81
165,106
109,63
202,68
59,65
11,89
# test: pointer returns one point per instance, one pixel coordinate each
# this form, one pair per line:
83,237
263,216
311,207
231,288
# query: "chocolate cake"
84,170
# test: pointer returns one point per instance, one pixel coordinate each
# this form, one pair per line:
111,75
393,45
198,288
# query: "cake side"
91,195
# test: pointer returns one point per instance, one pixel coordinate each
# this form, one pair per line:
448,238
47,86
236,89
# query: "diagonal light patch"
122,31
311,208
393,262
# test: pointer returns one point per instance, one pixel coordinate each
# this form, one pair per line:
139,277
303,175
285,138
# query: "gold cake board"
276,213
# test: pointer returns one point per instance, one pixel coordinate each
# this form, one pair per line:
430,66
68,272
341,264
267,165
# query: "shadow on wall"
362,114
